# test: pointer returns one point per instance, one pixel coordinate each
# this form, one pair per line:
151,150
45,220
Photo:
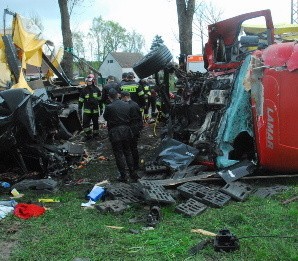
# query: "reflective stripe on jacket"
90,99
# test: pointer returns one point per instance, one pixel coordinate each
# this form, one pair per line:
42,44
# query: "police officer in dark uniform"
111,83
135,90
136,125
117,115
90,103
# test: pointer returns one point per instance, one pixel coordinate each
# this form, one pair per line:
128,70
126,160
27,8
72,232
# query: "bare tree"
134,42
36,20
95,36
110,36
72,4
114,36
67,62
206,13
185,12
78,44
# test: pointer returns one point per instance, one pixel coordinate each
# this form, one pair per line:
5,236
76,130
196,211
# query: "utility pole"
294,11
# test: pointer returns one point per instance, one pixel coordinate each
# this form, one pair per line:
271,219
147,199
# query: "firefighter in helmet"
135,90
150,99
90,105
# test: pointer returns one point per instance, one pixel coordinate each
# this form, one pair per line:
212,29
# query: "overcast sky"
147,17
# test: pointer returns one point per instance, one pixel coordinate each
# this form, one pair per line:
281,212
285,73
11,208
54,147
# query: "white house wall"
107,68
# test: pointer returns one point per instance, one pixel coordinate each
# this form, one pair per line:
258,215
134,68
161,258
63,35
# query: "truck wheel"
153,62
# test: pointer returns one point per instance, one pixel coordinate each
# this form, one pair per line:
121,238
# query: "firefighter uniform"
150,99
90,103
135,90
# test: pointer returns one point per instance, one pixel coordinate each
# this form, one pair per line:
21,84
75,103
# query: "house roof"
127,60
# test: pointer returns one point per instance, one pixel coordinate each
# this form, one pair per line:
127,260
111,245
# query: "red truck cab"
271,78
242,110
276,124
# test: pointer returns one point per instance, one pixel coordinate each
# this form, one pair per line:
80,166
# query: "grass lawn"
66,231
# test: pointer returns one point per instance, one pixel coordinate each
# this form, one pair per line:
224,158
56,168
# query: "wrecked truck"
243,109
28,126
36,117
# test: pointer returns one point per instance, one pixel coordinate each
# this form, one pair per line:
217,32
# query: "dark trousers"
123,156
87,118
150,101
134,151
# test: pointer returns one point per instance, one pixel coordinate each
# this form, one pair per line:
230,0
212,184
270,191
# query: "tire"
153,62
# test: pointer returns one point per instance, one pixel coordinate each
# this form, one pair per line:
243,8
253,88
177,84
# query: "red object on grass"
26,211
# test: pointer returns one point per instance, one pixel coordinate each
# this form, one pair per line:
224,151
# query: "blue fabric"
237,118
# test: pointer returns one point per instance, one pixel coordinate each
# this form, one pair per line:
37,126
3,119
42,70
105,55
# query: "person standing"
152,97
136,125
135,90
150,100
146,90
90,104
124,79
111,83
117,115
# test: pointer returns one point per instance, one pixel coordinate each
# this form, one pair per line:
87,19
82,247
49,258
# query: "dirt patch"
102,165
8,240
6,249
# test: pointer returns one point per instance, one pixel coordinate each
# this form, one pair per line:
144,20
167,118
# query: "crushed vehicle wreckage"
242,111
29,127
37,118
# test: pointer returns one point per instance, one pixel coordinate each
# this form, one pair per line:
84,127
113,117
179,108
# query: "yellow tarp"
5,78
28,43
290,37
30,49
285,31
22,83
4,75
2,50
56,61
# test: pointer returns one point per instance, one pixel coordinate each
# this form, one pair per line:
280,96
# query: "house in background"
117,63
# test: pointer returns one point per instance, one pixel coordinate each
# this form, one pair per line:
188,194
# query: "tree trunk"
67,62
185,12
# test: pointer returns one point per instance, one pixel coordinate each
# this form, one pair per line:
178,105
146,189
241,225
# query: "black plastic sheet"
175,154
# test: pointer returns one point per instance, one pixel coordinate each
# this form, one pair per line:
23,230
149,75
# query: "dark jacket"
123,81
136,120
90,99
106,88
118,120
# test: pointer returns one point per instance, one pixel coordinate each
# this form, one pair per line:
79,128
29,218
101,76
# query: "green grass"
67,231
